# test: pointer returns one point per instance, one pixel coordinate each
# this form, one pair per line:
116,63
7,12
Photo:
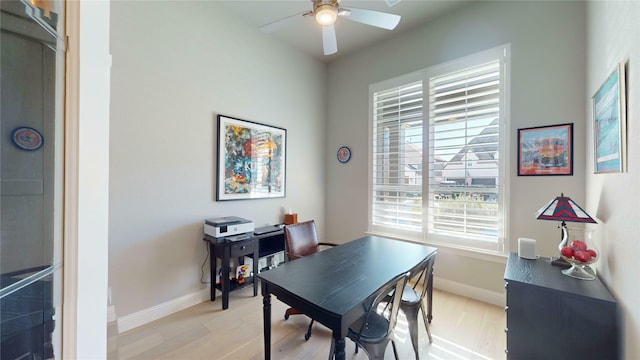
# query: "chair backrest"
395,286
301,239
423,276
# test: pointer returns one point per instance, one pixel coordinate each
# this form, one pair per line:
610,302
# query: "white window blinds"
438,158
397,157
464,153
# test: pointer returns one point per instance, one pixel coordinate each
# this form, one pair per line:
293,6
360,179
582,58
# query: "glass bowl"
578,249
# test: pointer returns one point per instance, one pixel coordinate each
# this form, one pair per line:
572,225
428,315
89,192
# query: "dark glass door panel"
31,164
28,314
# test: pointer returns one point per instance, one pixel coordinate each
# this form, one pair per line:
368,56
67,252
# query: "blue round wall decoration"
27,138
344,154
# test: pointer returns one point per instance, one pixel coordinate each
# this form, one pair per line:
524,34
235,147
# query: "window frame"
501,53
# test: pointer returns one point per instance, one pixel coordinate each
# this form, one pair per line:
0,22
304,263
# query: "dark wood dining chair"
413,301
374,329
300,240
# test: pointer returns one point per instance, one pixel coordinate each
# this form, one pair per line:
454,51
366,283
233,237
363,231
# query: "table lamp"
562,208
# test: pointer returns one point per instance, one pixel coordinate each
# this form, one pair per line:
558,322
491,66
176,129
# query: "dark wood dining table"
332,286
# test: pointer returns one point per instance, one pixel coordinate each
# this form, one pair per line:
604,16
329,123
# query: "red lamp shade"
562,208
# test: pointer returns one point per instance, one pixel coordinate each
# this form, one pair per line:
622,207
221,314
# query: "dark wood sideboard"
553,316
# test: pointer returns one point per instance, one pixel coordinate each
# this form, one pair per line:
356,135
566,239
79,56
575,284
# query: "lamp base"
560,262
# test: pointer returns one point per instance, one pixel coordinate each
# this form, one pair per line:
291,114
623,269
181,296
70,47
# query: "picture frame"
344,154
27,138
609,124
545,150
251,161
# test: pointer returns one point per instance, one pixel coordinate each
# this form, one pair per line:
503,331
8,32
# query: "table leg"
340,345
255,268
430,296
226,287
212,271
266,311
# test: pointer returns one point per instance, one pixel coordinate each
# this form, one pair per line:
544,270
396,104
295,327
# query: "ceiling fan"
326,13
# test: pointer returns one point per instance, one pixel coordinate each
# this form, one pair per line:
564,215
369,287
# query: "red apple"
579,245
567,251
582,256
592,253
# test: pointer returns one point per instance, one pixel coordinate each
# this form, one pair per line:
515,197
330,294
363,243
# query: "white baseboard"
111,314
145,316
488,296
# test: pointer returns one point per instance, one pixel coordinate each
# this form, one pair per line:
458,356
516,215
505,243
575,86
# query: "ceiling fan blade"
329,41
284,22
371,17
391,3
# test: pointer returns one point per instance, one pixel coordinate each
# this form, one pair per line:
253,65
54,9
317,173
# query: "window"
457,111
397,156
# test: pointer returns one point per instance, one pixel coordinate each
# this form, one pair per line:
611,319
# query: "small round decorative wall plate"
344,154
27,138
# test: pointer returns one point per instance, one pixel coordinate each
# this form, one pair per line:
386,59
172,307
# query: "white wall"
547,81
614,37
176,65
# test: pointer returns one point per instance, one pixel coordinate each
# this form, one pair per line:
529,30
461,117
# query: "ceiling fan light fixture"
326,14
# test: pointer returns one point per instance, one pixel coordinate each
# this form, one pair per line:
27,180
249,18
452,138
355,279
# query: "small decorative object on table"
579,251
290,218
527,248
242,273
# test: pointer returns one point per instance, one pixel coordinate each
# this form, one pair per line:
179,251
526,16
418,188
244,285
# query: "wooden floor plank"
462,328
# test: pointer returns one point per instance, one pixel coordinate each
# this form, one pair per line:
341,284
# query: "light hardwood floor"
462,328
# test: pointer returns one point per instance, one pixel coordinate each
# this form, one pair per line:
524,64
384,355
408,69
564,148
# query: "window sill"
480,254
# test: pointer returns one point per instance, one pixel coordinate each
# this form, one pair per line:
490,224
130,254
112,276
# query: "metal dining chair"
413,301
374,330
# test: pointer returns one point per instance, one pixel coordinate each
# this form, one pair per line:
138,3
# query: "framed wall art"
27,138
545,150
251,160
344,154
609,124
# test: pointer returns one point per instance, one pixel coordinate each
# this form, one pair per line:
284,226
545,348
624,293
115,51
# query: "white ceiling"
306,35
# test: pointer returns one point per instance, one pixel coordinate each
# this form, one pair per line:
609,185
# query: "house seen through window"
438,164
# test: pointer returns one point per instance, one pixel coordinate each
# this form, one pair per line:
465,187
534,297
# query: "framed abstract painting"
251,160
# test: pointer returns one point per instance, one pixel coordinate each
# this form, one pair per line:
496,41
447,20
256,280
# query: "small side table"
220,248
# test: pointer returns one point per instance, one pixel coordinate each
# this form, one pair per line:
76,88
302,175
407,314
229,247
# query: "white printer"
227,226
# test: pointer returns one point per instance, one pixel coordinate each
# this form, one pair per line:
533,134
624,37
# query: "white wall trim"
70,252
148,315
111,314
93,62
488,296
